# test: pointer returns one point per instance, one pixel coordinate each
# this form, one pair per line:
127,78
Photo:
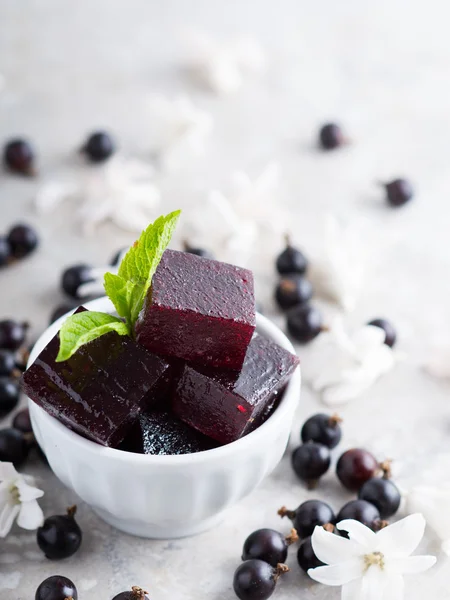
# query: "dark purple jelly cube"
159,432
199,310
225,407
101,390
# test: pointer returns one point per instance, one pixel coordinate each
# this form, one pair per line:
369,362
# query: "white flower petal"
411,564
30,516
373,584
403,537
339,574
27,492
8,513
7,471
358,533
331,549
352,590
393,587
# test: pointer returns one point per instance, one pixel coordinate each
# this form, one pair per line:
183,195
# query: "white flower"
180,130
433,503
121,191
18,500
370,566
338,273
341,366
223,66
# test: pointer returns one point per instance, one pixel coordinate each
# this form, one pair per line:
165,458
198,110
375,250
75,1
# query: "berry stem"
288,240
292,537
386,468
329,527
138,592
72,511
284,512
379,524
280,570
311,484
335,420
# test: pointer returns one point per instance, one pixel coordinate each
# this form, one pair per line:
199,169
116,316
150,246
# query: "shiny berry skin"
256,580
7,363
60,536
136,593
304,323
308,515
12,334
268,545
355,467
310,461
22,421
5,252
56,587
293,290
361,511
383,494
18,156
398,192
306,557
75,276
331,136
9,396
291,261
99,147
62,310
323,429
389,331
22,240
13,446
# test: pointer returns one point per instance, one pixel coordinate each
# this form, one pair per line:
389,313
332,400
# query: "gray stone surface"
381,69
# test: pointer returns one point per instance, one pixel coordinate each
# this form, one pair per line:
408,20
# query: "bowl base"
159,532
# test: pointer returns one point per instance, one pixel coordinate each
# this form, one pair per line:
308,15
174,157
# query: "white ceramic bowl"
165,496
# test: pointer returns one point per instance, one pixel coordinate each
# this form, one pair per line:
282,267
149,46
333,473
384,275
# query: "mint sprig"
126,290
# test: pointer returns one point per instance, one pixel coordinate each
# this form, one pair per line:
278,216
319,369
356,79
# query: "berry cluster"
20,241
59,587
264,554
293,293
357,470
13,357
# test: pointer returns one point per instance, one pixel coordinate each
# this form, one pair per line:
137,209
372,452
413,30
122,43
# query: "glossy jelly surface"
199,310
224,406
102,389
161,433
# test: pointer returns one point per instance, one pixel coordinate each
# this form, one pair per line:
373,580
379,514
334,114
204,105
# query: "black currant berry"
308,515
310,461
12,334
60,536
18,156
306,557
355,467
389,331
57,587
291,261
323,429
304,323
382,493
256,580
203,252
5,252
13,446
22,240
293,290
331,136
398,192
22,421
117,258
7,363
361,511
136,593
9,396
73,277
268,545
62,310
99,146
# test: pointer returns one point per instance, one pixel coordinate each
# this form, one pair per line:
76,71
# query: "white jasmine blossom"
223,66
180,130
369,565
18,500
341,366
433,503
338,272
121,191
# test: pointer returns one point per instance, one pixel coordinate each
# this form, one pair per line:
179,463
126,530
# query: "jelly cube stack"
196,377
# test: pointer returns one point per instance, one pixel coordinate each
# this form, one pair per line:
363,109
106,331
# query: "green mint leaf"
119,291
84,327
